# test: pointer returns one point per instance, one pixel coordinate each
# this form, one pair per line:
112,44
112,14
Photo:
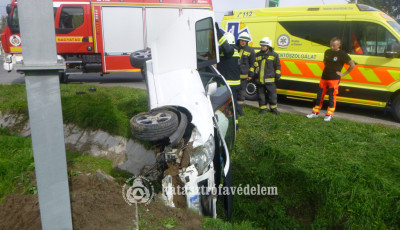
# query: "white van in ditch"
191,117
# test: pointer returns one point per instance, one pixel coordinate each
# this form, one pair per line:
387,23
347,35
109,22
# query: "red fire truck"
99,35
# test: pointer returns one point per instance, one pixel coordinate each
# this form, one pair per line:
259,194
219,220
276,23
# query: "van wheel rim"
154,119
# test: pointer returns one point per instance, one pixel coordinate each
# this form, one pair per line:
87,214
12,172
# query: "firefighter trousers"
267,93
235,91
332,88
242,92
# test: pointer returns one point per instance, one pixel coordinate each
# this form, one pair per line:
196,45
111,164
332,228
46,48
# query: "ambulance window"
205,43
71,18
370,39
320,32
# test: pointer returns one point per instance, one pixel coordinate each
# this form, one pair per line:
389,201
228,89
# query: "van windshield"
395,26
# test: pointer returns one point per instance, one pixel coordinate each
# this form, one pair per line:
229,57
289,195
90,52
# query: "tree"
391,7
3,23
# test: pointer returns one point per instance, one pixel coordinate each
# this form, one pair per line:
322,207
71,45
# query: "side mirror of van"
8,9
392,50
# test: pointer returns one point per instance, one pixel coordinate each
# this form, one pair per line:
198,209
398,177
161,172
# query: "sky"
223,6
3,4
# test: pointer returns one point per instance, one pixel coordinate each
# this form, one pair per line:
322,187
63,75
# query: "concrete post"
41,68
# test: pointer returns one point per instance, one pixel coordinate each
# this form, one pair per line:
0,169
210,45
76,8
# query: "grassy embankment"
334,175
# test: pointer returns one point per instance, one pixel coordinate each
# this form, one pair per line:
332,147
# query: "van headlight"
203,155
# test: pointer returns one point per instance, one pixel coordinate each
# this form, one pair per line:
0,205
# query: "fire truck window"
205,42
320,32
14,20
71,17
370,39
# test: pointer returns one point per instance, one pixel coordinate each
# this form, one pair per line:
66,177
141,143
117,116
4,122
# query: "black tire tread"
396,108
154,132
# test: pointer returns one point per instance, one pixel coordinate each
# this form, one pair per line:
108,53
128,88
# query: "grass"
108,109
340,174
17,166
16,163
330,175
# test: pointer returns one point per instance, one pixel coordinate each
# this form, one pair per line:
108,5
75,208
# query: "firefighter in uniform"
229,63
247,58
334,59
267,70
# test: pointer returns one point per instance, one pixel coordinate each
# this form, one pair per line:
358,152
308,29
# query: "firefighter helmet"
266,42
230,38
244,37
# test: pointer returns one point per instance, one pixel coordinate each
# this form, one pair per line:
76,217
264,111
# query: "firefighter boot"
263,111
240,110
275,111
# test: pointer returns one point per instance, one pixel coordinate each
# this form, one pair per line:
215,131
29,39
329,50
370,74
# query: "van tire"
138,58
396,108
154,125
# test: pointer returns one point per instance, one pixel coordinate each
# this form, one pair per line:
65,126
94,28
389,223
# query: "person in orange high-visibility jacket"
229,63
334,59
267,70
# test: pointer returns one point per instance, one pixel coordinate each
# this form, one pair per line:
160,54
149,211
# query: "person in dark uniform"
229,64
334,59
267,70
247,59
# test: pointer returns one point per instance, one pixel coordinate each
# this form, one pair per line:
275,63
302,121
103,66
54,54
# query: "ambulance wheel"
138,58
396,108
154,125
251,91
63,77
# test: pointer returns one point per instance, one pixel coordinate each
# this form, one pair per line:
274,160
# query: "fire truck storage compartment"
125,31
122,27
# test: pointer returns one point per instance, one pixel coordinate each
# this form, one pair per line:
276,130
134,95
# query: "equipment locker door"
122,34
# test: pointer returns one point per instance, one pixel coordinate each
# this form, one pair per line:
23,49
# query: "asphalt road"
134,80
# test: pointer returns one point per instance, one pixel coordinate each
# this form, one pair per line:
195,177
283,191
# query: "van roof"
324,9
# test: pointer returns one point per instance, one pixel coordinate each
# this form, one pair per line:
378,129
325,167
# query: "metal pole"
266,3
45,116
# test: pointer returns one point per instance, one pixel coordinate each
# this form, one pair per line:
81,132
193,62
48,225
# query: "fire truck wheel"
154,125
63,77
396,108
139,58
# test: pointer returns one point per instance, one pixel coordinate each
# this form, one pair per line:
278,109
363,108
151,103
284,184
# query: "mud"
96,204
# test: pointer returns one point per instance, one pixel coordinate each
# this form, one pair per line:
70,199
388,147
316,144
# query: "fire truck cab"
99,35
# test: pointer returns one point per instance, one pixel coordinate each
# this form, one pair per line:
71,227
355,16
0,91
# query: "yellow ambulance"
301,35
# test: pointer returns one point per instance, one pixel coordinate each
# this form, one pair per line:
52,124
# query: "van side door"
301,43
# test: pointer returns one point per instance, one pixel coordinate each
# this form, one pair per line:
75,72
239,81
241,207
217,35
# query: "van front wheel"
154,125
396,108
